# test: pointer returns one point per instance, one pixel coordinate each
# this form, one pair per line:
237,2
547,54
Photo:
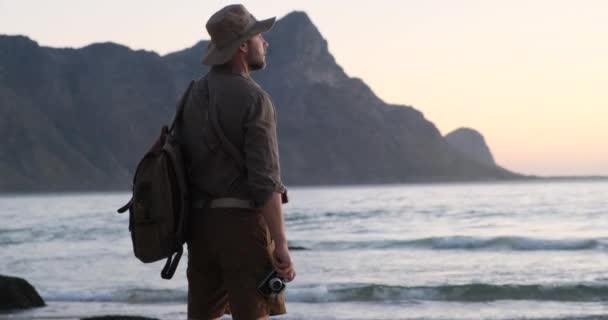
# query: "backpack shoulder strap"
217,128
180,105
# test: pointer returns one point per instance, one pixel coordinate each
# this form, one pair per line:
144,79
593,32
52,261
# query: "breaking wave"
476,292
463,243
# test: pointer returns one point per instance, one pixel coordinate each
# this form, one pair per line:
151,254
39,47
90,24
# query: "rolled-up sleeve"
262,151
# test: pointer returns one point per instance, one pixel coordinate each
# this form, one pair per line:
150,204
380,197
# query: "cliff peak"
296,45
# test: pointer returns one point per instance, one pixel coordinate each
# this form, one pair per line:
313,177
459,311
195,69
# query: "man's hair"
228,63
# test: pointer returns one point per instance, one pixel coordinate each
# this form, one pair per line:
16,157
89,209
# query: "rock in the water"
16,293
471,144
118,318
296,248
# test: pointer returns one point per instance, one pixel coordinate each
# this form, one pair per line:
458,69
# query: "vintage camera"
272,284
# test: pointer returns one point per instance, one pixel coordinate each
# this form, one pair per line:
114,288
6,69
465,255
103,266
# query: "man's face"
256,56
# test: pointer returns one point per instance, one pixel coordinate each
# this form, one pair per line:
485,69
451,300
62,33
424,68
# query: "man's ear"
244,47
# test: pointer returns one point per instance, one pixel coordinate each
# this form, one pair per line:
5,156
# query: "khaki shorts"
229,253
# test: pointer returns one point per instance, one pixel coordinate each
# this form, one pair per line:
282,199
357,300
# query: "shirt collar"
227,69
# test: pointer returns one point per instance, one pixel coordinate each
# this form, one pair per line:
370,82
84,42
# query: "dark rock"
471,144
118,318
16,293
297,248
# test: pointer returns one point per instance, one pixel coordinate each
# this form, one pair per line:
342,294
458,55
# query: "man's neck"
238,65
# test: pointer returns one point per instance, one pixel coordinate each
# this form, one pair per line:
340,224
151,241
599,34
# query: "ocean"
503,250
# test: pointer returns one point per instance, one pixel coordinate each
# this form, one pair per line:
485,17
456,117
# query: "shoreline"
337,311
431,182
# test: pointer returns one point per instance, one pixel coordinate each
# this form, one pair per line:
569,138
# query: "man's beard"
257,64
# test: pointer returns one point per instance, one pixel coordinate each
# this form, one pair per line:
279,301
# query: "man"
237,234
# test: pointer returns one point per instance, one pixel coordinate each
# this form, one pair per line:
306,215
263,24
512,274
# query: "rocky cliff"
81,118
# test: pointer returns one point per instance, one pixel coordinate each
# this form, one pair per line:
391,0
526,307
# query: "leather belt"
223,203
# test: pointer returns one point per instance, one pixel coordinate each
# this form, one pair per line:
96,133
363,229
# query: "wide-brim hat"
230,27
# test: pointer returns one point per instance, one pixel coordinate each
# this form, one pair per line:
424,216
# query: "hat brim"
215,55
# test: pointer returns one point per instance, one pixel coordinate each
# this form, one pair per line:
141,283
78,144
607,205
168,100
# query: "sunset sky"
530,75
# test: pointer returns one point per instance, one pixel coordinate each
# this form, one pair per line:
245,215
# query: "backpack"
158,209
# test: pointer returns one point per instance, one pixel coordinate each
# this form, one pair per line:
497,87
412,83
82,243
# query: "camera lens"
275,284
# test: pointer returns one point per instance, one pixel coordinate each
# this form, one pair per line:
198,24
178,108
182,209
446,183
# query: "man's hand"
273,213
282,262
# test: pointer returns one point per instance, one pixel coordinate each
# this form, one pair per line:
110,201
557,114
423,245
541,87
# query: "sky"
530,75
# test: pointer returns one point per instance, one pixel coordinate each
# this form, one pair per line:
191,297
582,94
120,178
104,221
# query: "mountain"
81,118
70,119
471,144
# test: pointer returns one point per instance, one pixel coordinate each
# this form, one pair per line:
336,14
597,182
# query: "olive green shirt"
248,120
